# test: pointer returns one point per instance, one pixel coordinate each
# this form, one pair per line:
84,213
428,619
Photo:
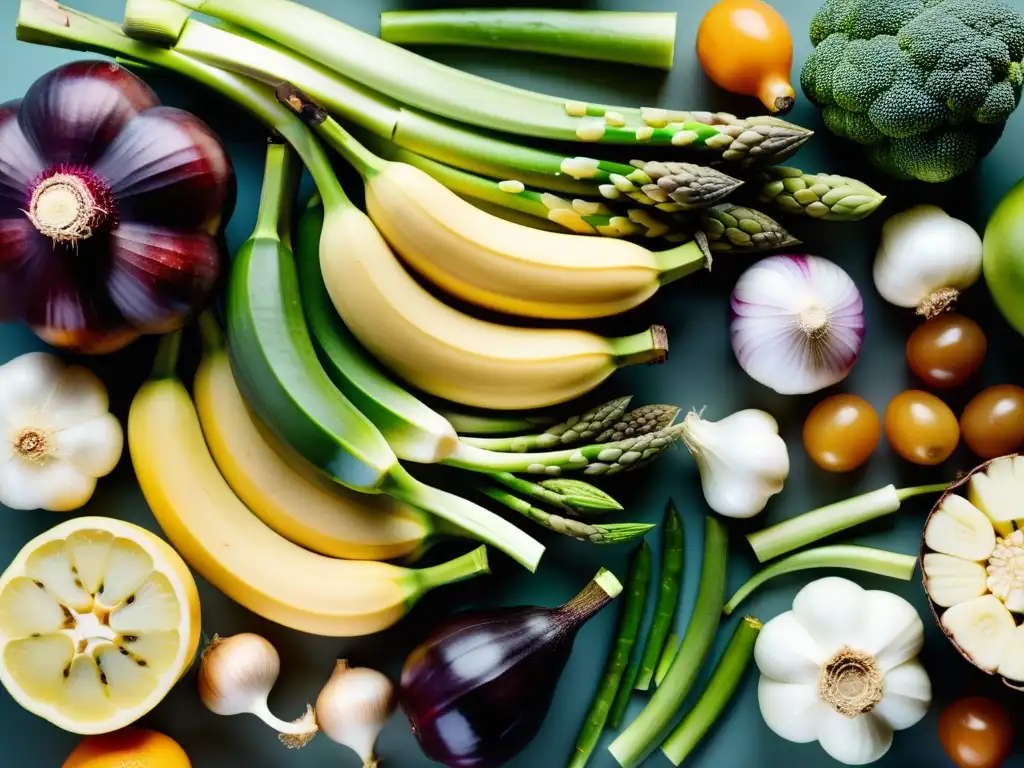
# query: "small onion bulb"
797,323
236,675
353,707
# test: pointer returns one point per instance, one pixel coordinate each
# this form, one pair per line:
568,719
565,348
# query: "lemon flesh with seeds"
98,620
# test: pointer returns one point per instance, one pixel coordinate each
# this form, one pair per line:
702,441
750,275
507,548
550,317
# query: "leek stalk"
646,39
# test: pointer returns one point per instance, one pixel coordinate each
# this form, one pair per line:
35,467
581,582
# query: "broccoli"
926,85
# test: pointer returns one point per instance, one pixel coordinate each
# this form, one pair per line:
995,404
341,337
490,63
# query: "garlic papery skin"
973,565
743,461
841,669
236,675
926,259
353,707
57,435
797,323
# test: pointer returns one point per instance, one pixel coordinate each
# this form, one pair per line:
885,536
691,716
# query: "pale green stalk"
842,556
494,423
573,430
568,495
668,655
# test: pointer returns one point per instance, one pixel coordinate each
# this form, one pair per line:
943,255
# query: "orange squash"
745,47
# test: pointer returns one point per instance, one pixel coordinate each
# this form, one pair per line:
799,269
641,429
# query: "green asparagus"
493,423
670,582
818,195
608,533
569,495
640,421
573,430
675,186
634,602
668,655
730,227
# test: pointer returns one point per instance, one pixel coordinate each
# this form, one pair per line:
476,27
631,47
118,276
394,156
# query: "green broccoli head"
927,85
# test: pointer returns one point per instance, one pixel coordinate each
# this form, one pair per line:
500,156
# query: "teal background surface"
701,372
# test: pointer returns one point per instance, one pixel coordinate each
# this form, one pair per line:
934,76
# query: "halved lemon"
98,620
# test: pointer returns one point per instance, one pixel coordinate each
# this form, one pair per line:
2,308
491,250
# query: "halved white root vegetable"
998,492
1006,571
983,628
952,581
1012,664
960,529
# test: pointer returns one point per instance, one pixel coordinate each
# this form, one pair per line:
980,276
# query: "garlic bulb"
974,568
841,669
353,708
57,435
798,323
926,259
742,460
235,677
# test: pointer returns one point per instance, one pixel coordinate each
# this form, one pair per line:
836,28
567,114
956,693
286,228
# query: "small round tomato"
993,422
841,432
946,350
976,733
921,428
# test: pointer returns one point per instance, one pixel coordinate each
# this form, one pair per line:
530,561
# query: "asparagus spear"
608,533
573,430
618,657
668,655
572,496
493,424
730,227
640,421
674,186
671,580
818,195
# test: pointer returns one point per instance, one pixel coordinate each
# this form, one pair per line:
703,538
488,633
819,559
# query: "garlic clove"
982,628
52,485
998,490
92,447
786,652
951,580
960,529
854,740
353,707
831,610
28,383
894,631
1011,665
79,397
908,694
791,710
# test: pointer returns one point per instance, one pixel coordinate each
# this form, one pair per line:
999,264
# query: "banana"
450,354
242,557
296,503
493,262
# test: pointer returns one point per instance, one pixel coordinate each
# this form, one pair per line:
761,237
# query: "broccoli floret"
923,83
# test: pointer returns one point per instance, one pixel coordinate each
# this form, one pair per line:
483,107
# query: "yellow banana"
298,505
242,557
509,267
453,355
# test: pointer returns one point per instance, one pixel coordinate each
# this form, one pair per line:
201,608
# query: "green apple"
1003,260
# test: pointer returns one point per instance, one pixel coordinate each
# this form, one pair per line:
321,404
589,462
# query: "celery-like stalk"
646,39
843,556
441,90
817,524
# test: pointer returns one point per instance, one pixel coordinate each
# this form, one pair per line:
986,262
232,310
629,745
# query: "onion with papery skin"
109,204
478,688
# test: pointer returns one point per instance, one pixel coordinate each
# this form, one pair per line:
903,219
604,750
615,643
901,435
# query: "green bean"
668,655
646,731
618,656
625,692
719,691
672,549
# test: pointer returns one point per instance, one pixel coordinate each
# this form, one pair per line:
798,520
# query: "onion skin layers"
109,204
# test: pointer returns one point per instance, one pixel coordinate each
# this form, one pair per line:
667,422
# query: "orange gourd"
745,47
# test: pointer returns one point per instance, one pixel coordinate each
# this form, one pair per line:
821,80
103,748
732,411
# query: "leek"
440,90
646,39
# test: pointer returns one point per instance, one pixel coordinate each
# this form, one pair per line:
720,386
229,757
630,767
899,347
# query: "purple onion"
797,323
478,688
109,204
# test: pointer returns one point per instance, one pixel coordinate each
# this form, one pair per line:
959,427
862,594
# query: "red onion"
109,204
797,323
478,688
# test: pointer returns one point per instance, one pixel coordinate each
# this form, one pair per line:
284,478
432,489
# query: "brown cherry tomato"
946,350
841,432
993,422
976,733
921,428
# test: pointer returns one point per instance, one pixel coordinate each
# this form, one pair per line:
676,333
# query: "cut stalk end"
649,347
155,21
471,564
683,259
